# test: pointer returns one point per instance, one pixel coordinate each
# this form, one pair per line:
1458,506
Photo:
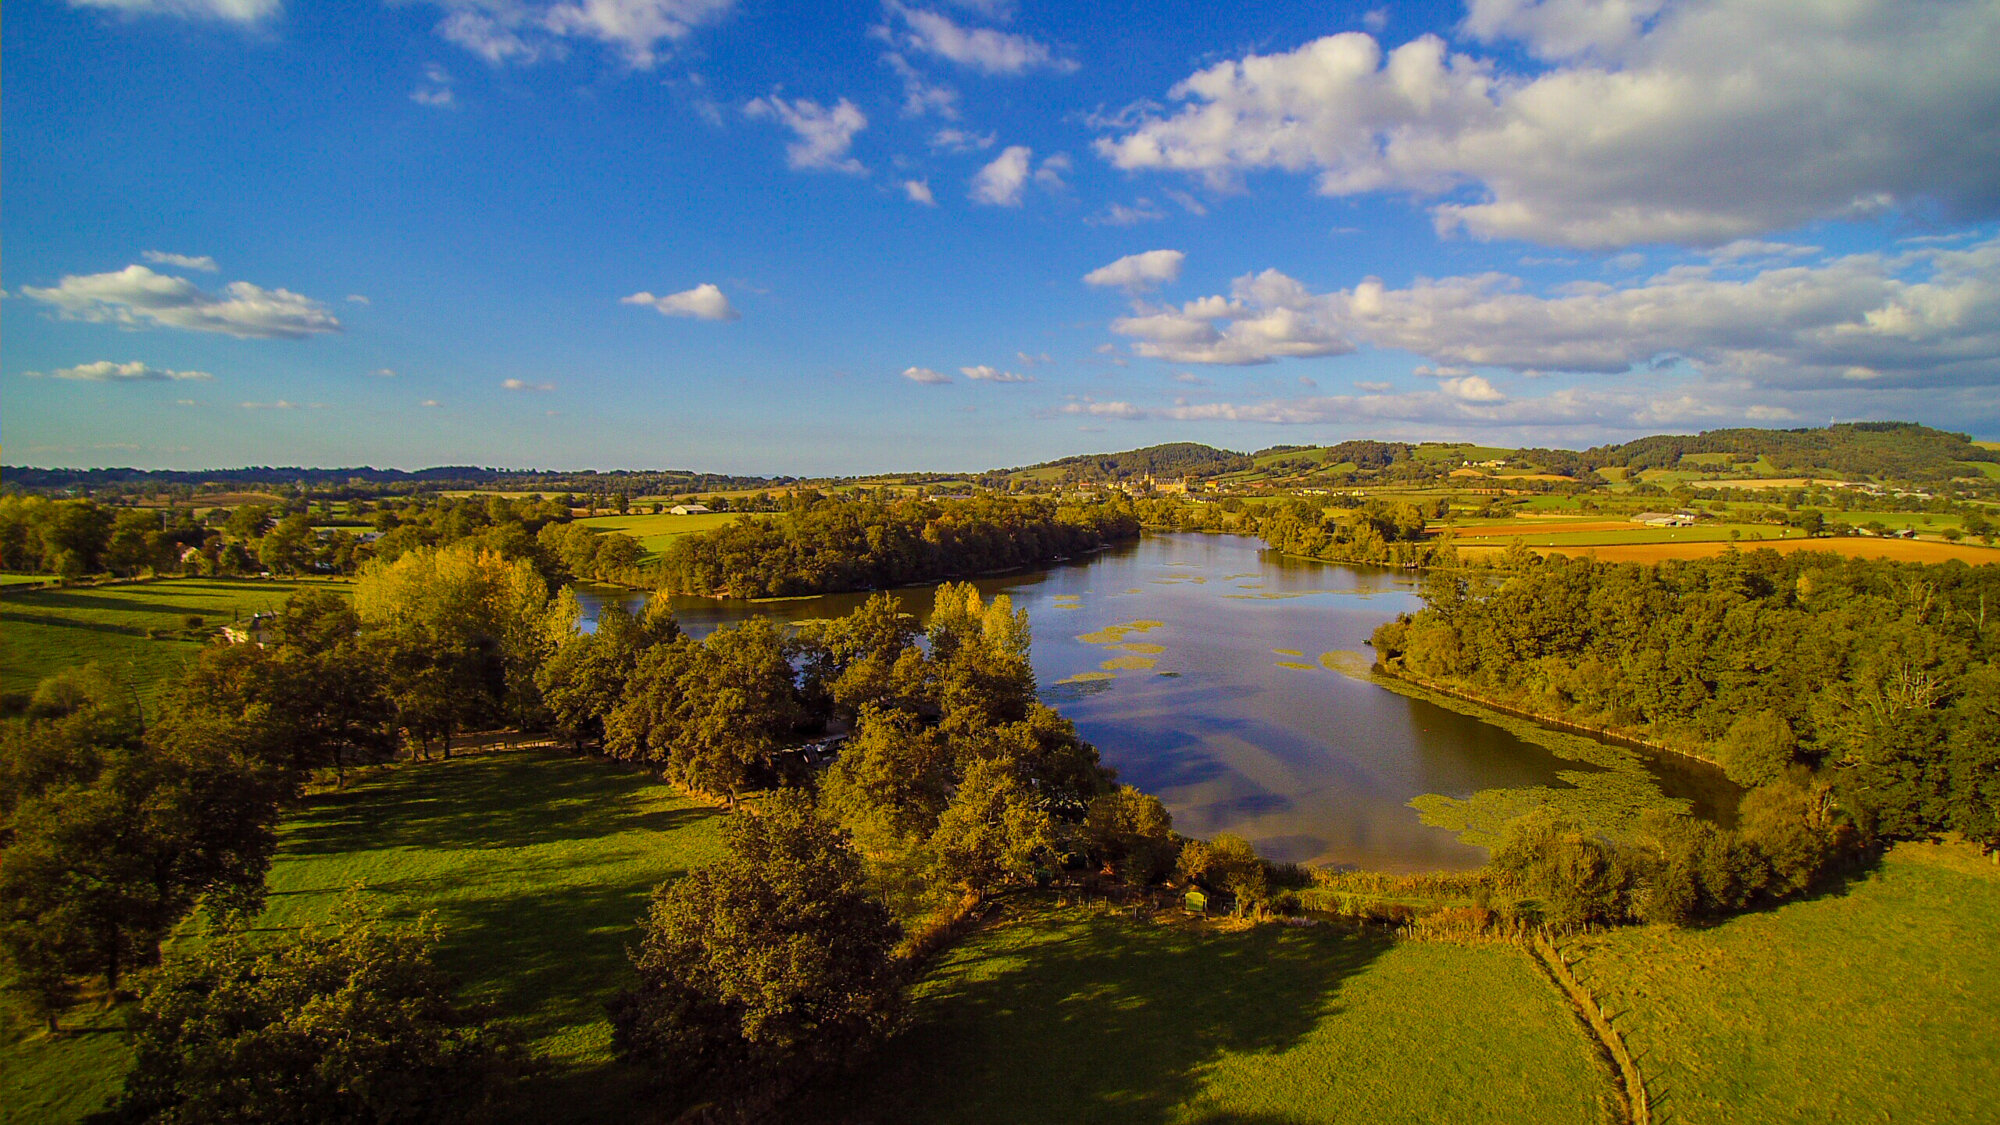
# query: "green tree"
348,1022
993,832
774,958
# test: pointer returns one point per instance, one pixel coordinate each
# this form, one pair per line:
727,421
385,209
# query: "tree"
347,1022
993,832
1132,832
776,955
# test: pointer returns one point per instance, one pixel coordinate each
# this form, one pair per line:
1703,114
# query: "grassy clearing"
48,630
1070,1015
655,532
537,864
1881,1003
7,580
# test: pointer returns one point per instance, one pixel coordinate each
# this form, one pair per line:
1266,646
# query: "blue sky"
739,235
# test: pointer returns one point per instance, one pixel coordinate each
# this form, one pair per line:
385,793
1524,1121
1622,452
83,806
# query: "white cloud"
1920,318
919,191
1034,359
105,371
824,133
925,375
136,297
1757,248
985,374
1471,388
430,402
1698,123
436,89
1000,182
524,385
703,302
200,262
921,96
1187,202
1096,409
528,31
1119,215
384,373
358,299
228,11
982,49
281,404
958,140
1135,272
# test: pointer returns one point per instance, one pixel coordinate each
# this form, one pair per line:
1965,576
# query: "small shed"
689,509
1196,901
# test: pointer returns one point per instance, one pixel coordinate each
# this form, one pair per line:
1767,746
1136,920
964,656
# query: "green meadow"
655,532
1090,1016
1877,1002
537,864
115,627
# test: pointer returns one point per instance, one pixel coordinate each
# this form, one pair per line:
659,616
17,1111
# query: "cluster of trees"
346,484
1878,676
1384,532
824,544
1170,461
1678,869
73,538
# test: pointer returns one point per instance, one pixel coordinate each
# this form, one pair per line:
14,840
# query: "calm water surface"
1237,724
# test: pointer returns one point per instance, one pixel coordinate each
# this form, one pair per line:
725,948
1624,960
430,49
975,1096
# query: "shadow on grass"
73,623
484,802
1097,1019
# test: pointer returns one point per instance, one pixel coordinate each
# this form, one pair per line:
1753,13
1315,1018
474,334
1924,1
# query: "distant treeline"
365,481
828,545
1880,678
1172,460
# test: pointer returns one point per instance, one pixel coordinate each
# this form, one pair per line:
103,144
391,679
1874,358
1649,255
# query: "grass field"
48,630
7,580
1076,1016
655,532
537,864
1880,1003
1901,550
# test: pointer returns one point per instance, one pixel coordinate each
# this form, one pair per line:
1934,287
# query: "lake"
1206,669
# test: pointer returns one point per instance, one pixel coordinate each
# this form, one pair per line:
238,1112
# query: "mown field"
655,532
1877,1003
1077,1016
538,866
44,631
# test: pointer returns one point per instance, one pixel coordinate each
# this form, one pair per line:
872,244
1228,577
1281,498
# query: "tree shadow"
485,802
1098,1019
73,623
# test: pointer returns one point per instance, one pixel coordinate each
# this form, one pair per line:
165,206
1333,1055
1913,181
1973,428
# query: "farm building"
1665,519
689,509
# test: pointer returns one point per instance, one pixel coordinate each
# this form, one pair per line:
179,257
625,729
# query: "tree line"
823,544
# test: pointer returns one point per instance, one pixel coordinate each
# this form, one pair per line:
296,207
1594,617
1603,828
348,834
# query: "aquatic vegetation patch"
1287,652
1298,665
1143,648
1354,665
1128,664
1086,678
1116,634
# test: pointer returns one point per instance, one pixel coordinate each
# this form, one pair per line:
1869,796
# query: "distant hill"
1172,460
1891,450
365,479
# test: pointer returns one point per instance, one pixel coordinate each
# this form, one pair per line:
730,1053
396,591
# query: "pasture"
1877,1002
538,866
655,532
111,626
1089,1016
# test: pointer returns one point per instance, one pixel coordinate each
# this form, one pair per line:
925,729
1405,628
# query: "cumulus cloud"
227,11
200,262
919,191
1134,272
105,371
1693,123
703,302
985,374
825,133
524,385
1920,317
925,375
1095,409
982,49
358,299
1120,215
528,31
921,96
136,297
1000,182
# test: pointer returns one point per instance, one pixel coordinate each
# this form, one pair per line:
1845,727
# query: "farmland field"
655,532
1877,1003
538,866
1900,550
48,630
1072,1015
